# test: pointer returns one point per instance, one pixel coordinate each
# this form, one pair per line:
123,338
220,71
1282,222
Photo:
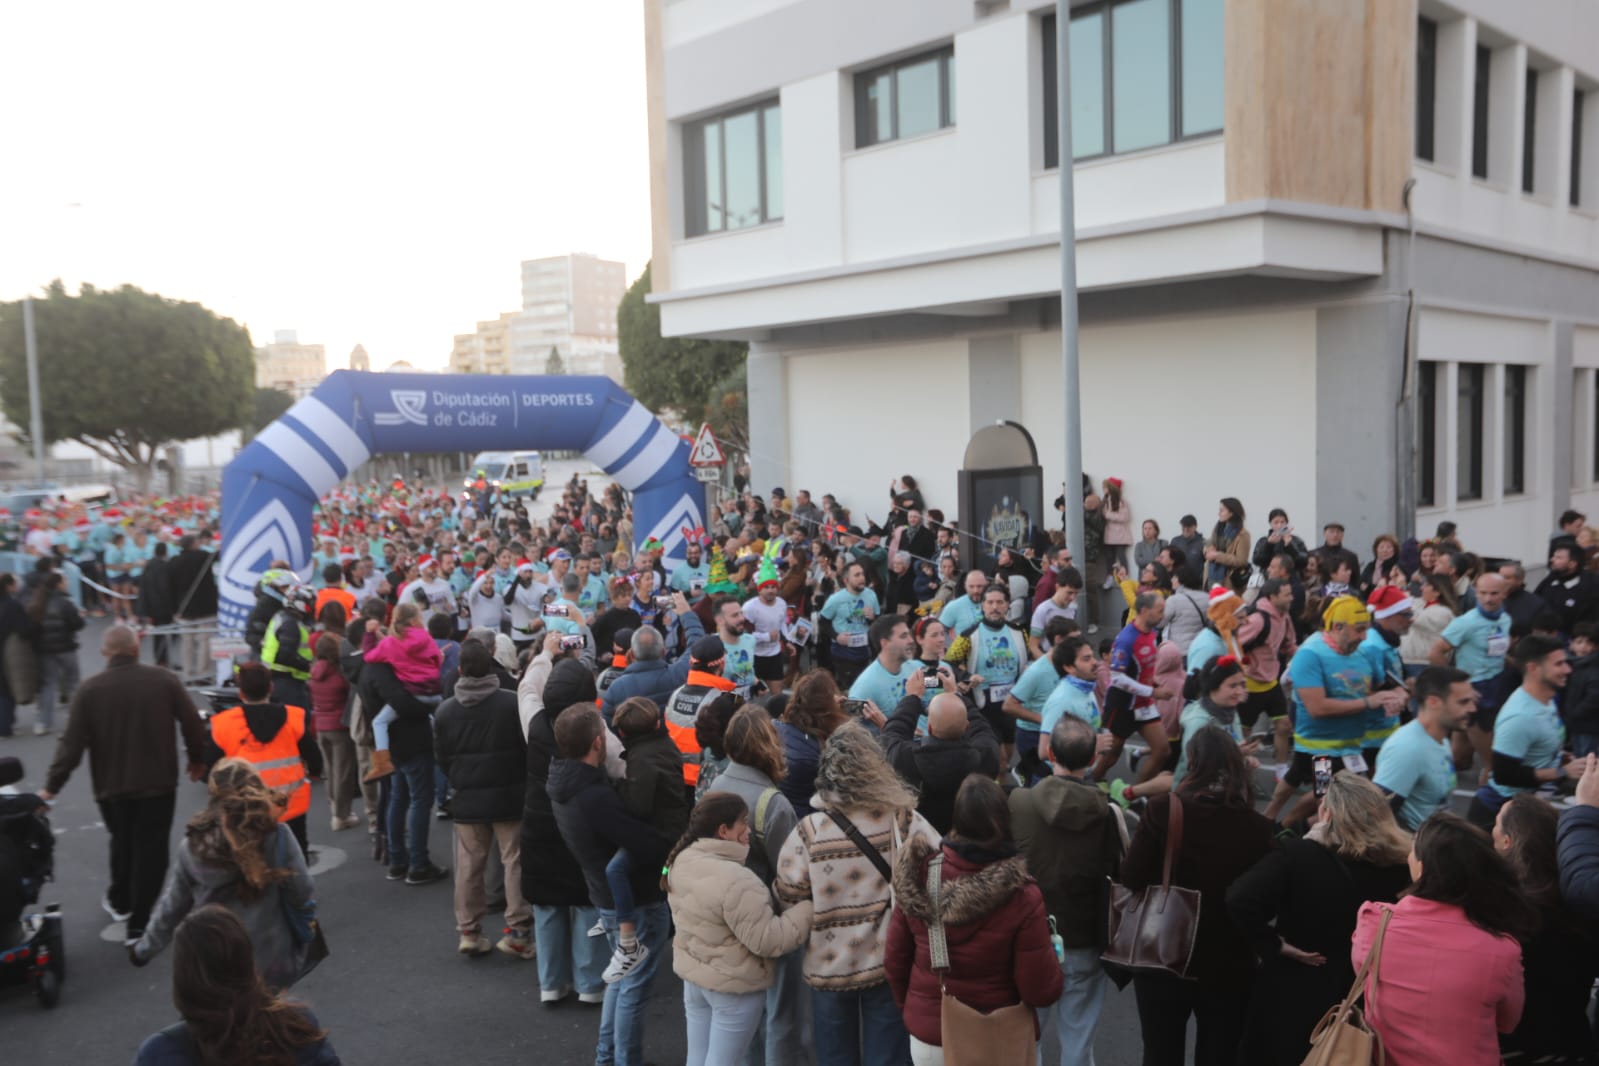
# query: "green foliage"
554,365
682,373
729,410
127,372
269,405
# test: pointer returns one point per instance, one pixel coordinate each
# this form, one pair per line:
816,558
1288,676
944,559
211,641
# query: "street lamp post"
35,410
1071,409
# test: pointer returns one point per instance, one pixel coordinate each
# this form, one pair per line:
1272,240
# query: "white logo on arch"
409,407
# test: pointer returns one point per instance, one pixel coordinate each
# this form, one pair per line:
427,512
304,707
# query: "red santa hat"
425,561
1387,601
1220,594
524,565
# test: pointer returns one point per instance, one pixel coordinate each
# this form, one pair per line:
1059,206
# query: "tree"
554,365
127,372
677,372
268,406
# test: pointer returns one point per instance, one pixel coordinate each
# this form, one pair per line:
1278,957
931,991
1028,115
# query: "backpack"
1259,638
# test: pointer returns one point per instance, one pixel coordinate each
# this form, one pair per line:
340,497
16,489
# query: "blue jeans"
567,956
860,1028
1075,1015
788,1035
626,1002
720,1024
410,808
617,874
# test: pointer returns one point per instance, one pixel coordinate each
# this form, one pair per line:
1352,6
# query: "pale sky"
355,171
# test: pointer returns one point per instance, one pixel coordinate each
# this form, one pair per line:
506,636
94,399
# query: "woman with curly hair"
809,718
236,853
229,1015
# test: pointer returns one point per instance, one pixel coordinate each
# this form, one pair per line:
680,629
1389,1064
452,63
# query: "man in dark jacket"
193,585
155,599
1065,828
959,741
477,739
1569,590
552,881
594,824
124,717
649,675
1578,842
410,787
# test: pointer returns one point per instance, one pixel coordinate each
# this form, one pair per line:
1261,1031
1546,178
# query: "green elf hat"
653,545
719,583
767,574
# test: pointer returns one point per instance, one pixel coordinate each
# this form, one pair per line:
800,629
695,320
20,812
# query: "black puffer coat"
57,631
477,740
551,877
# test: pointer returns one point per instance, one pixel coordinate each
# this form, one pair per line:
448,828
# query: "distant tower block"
359,360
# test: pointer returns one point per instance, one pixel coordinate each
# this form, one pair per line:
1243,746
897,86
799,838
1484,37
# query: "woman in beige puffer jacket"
728,933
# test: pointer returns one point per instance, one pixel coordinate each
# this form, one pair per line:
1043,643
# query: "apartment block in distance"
1338,257
569,304
288,365
487,351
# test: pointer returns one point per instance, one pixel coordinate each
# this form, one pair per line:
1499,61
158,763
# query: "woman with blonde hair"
843,858
1313,888
236,853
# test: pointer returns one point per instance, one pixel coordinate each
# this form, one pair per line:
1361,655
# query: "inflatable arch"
271,488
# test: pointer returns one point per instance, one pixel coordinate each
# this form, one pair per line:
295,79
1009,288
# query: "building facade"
486,351
569,304
1341,258
288,365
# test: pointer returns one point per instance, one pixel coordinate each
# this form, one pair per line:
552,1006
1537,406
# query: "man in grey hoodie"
1073,840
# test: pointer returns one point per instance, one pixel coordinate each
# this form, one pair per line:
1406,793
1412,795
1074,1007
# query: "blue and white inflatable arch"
270,489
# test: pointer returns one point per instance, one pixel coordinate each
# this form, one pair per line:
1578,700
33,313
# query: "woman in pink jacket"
1449,978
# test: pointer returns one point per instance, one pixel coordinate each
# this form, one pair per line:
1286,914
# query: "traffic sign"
707,452
708,474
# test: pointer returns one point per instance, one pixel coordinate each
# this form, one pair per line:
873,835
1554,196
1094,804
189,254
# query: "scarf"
1223,715
980,855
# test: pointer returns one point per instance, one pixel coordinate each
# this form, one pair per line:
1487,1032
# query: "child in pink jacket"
416,660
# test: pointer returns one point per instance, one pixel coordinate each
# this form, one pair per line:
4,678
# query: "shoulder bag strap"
937,944
863,845
760,811
1174,839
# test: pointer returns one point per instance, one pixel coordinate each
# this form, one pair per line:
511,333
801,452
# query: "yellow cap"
1346,609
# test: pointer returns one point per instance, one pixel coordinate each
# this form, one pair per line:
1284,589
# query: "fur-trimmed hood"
967,893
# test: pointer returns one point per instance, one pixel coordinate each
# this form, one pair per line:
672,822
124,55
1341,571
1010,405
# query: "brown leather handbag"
1003,1037
1153,931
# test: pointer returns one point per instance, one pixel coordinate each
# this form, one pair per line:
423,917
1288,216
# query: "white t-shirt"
767,620
40,540
441,597
1048,610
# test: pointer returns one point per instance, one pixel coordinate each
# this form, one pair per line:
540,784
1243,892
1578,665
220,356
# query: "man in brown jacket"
123,717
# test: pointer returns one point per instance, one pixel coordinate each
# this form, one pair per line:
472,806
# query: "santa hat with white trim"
1387,601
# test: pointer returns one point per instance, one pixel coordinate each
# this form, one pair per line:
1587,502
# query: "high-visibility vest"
682,709
299,667
277,761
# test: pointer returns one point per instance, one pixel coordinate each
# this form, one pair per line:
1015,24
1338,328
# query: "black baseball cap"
708,649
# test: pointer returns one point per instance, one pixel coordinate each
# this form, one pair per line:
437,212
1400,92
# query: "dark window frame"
1471,405
945,54
1578,100
1516,381
1426,87
1480,101
1529,131
1427,449
1051,71
696,217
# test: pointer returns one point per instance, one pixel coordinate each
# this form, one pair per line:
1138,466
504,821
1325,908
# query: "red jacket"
329,694
998,935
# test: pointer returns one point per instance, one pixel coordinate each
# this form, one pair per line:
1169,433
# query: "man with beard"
738,644
768,614
525,597
996,661
1528,738
850,610
691,575
1570,591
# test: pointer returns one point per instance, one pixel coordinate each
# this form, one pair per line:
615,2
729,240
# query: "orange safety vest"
278,761
681,727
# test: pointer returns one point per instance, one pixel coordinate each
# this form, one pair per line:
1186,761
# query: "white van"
514,473
23,500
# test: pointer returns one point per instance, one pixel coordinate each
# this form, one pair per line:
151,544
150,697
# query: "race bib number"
1498,645
854,640
1147,713
696,588
997,694
1355,764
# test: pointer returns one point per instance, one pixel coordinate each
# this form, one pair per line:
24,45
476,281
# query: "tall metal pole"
1071,409
35,411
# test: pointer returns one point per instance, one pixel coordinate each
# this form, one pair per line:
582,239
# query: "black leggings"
1217,1006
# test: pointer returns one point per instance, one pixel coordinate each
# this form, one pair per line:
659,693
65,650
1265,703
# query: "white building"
569,304
867,192
288,365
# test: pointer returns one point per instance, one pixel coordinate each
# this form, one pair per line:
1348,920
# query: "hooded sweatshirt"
266,719
1064,830
415,657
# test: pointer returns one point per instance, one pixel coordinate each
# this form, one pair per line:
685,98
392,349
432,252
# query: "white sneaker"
554,995
598,929
591,998
40,729
624,960
341,824
116,915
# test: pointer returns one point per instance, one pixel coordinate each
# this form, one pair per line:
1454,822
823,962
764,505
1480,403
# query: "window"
1144,73
1427,450
734,170
1515,430
1426,86
1577,102
1529,129
904,99
1469,431
1479,114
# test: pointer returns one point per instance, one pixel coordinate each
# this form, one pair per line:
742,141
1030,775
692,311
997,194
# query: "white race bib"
997,694
854,640
1498,645
1355,764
